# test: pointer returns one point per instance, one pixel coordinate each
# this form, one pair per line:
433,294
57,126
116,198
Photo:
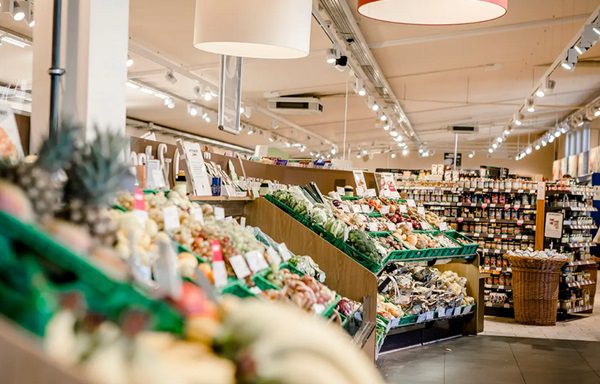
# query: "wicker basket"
535,289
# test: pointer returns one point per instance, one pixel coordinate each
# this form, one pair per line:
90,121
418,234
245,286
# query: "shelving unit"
501,215
349,278
578,279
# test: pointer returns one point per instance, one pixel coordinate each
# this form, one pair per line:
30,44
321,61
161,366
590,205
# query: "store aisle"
587,328
495,359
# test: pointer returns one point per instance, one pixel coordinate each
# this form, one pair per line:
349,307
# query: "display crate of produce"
237,288
94,281
468,246
443,251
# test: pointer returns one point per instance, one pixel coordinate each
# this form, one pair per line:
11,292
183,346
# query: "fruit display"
365,244
390,243
417,289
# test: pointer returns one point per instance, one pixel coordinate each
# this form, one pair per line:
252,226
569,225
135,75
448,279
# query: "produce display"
106,290
416,290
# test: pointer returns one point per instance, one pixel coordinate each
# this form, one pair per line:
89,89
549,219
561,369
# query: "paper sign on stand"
238,263
196,174
171,218
256,261
359,181
340,190
284,252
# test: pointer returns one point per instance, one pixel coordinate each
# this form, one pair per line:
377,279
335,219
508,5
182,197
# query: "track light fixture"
169,103
192,110
393,155
129,62
530,105
170,77
471,155
332,55
537,147
518,120
394,133
405,152
18,9
570,60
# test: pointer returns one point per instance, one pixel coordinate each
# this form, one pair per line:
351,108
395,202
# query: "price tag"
340,190
346,232
519,222
219,213
402,208
345,208
219,273
256,261
441,312
385,209
492,220
197,215
460,219
421,210
142,216
391,227
411,203
365,208
394,322
255,193
373,227
243,222
356,208
457,311
284,252
429,315
273,256
421,317
171,218
371,192
239,266
484,205
443,226
504,236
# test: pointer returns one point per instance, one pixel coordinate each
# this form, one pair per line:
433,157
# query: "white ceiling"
471,74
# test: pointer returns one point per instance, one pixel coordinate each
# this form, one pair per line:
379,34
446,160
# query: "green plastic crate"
468,249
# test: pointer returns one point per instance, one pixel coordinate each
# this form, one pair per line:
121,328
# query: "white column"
94,39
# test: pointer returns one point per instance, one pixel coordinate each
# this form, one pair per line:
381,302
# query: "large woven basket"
535,289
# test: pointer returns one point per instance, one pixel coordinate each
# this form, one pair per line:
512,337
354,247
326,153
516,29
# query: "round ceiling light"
433,12
264,29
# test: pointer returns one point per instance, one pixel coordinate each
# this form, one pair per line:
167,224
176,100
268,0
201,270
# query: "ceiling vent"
296,105
463,129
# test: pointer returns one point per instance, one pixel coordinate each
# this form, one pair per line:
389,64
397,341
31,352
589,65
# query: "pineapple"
43,178
97,173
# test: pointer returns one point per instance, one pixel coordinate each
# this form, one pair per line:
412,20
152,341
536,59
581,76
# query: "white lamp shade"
433,12
265,29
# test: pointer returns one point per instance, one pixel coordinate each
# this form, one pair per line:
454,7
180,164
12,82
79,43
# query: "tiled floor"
495,359
585,328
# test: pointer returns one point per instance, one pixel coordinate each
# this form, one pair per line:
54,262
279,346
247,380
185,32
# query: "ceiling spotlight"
471,155
540,93
394,133
550,138
386,127
331,56
358,155
16,9
288,144
302,148
242,109
129,62
333,150
359,88
169,103
421,150
362,92
544,143
506,132
494,146
192,110
405,152
518,119
393,155
597,113
383,117
272,140
530,105
528,150
499,139
537,147
490,150
207,95
375,107
564,129
571,60
364,152
251,131
425,153
170,77
399,138
401,145
206,117
579,50
557,133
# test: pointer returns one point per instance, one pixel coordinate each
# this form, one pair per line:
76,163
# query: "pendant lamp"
433,12
265,29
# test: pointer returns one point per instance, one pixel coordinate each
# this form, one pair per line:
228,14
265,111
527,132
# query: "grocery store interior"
299,191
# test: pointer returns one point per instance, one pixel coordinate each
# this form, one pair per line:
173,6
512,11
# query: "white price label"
356,208
429,315
441,312
197,215
365,208
273,256
411,203
467,309
239,266
457,311
256,261
403,208
346,232
255,193
219,273
345,208
242,221
421,210
391,227
142,216
422,317
171,218
340,190
443,226
385,209
284,252
394,322
373,227
371,192
219,213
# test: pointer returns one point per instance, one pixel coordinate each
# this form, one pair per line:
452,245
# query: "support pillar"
94,41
